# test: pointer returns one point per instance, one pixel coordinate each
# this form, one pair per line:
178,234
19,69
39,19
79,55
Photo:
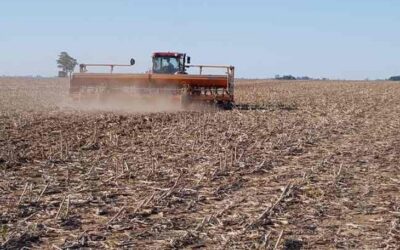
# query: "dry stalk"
56,247
267,211
30,191
23,193
116,216
258,167
90,170
171,190
337,175
229,206
9,237
150,199
67,209
61,145
30,216
61,205
205,220
41,193
278,241
114,177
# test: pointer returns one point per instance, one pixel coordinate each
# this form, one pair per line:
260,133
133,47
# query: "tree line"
291,77
394,78
305,78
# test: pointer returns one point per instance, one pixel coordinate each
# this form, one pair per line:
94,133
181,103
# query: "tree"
288,77
66,63
285,77
394,78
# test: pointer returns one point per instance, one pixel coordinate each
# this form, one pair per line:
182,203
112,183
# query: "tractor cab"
169,63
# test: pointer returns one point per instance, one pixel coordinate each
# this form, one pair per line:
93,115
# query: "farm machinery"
168,78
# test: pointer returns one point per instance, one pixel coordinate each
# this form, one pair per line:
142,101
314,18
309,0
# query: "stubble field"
315,165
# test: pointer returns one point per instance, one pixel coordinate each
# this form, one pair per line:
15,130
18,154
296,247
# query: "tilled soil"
299,165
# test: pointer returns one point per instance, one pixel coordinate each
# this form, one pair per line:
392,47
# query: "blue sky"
353,39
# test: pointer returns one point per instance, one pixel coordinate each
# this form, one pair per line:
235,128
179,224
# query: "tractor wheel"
225,105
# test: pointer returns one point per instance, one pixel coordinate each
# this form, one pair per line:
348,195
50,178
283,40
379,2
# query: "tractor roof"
172,54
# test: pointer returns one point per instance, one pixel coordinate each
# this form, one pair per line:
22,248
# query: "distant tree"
66,63
285,77
394,78
304,78
288,77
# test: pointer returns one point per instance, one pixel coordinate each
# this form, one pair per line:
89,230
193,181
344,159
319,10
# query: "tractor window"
168,65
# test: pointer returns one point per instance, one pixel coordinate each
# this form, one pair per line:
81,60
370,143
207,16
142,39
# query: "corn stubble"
305,165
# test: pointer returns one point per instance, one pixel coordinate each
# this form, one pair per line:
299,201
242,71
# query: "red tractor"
168,76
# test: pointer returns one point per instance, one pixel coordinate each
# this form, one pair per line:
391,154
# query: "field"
314,165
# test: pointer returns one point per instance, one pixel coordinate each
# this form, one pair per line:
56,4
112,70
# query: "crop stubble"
313,165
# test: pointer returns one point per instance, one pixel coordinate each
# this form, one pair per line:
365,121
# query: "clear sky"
353,39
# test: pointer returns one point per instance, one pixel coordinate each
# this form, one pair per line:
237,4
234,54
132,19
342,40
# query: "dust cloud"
122,103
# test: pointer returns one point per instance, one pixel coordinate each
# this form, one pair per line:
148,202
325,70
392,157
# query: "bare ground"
314,165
